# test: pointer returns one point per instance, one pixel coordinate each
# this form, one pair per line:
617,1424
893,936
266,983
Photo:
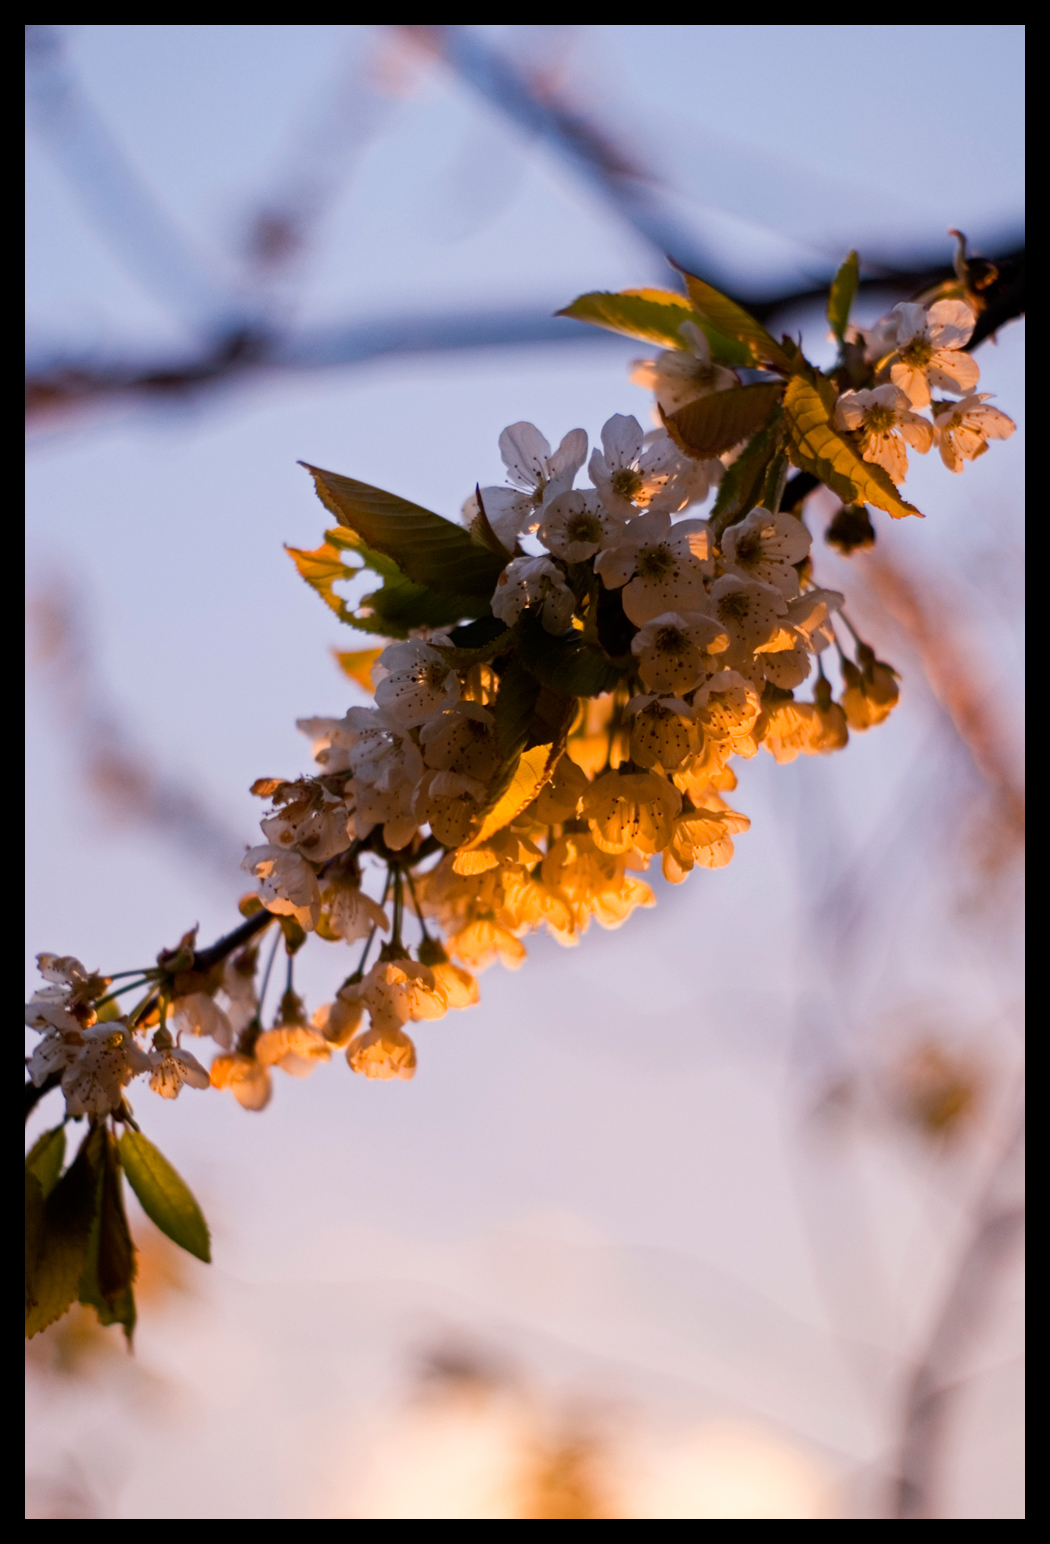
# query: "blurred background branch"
243,321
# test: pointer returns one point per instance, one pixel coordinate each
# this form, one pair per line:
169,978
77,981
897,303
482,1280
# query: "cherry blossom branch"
203,960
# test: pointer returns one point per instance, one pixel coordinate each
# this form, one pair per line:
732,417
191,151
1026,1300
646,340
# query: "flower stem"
266,976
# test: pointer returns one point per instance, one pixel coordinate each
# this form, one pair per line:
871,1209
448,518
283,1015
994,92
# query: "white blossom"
765,547
882,419
727,706
387,766
750,613
419,682
634,470
315,824
198,1014
332,739
450,736
964,428
534,582
170,1067
680,376
238,990
674,651
576,525
353,914
929,349
536,476
660,566
287,884
94,1063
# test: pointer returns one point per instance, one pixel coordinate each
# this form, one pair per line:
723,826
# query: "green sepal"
722,419
53,1274
567,664
841,294
165,1197
655,316
427,549
107,1283
46,1156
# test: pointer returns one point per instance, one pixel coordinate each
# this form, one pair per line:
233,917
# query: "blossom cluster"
523,770
921,350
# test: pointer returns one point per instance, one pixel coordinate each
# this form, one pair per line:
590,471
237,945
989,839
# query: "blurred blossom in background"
715,1217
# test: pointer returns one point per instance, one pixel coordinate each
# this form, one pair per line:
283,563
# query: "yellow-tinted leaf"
650,314
840,296
531,773
44,1158
359,666
655,316
818,448
724,314
165,1197
723,419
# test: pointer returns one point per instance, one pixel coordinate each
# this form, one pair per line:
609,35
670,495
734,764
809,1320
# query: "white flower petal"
526,455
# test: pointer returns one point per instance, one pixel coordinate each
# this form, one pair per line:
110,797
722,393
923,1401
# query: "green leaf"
46,1156
722,419
567,664
840,296
427,549
68,1214
513,708
401,605
717,310
109,1267
473,637
775,482
741,487
389,611
165,1198
655,316
819,449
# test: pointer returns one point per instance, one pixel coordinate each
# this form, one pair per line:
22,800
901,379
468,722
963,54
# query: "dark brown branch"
64,386
204,959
